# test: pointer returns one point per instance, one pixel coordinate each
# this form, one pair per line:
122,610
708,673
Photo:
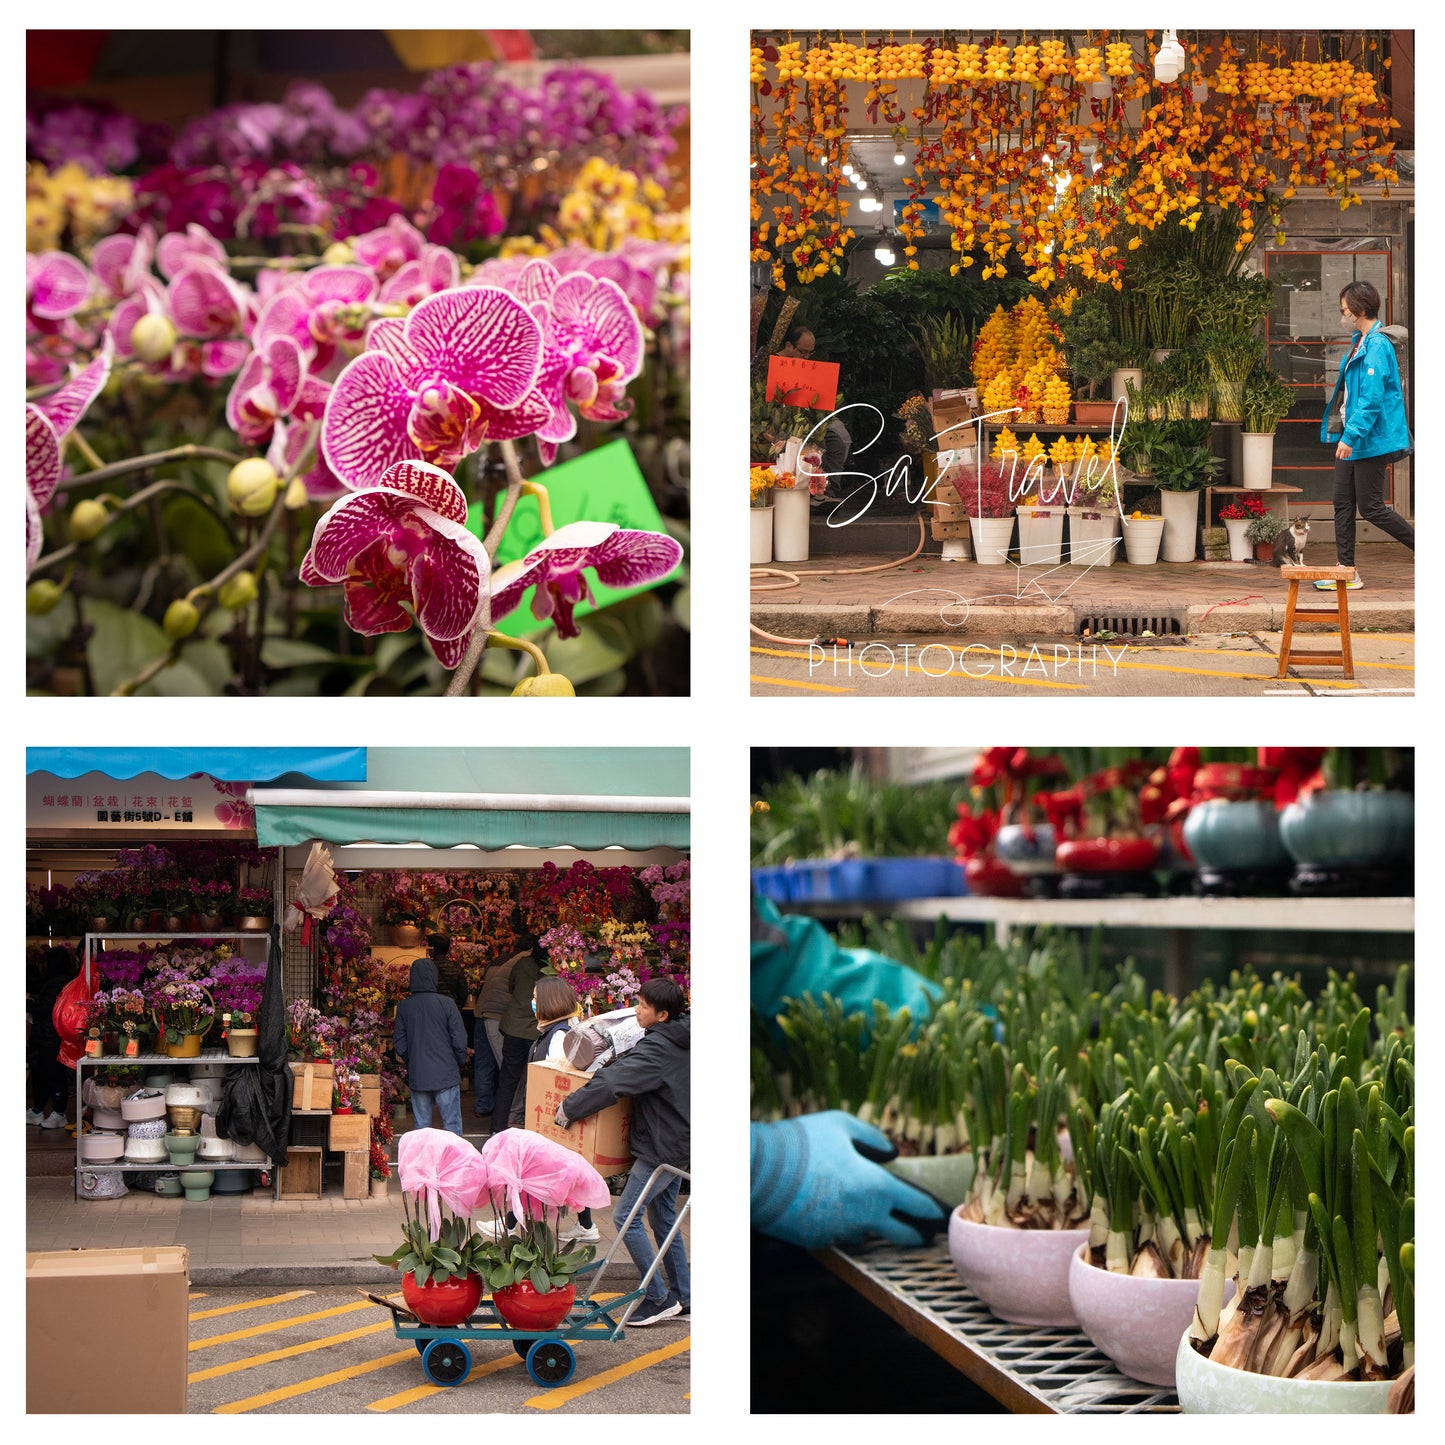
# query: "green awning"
493,798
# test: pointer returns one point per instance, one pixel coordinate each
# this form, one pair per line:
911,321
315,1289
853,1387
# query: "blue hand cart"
446,1350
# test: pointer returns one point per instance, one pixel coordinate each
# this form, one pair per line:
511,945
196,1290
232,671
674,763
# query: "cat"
1289,546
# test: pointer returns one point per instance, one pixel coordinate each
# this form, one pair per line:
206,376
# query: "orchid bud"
87,520
153,337
252,485
296,494
181,619
239,592
338,253
549,684
43,596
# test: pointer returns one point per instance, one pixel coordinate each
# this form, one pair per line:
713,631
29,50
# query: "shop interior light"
899,158
847,168
883,251
861,183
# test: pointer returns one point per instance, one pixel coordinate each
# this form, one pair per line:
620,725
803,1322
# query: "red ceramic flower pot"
1107,855
989,878
447,1302
525,1309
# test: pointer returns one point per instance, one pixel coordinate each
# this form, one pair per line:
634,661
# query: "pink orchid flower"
387,249
460,370
312,311
123,263
404,540
56,286
436,269
205,303
195,245
292,436
619,558
47,423
266,388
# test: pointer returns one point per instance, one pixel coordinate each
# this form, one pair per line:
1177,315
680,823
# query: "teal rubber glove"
792,955
819,1180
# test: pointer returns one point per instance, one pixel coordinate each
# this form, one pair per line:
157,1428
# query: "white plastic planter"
1181,525
1142,536
760,536
991,538
1120,380
1041,536
792,516
1258,460
1022,1275
1241,549
147,1105
1093,537
1209,1389
102,1146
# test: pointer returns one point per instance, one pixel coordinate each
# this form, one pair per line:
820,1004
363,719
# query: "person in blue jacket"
430,1040
1365,421
818,1179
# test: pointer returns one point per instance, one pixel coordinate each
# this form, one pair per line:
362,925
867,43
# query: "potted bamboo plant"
1132,350
1231,357
1267,400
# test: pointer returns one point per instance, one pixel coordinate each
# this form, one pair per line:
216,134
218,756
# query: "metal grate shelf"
1028,1368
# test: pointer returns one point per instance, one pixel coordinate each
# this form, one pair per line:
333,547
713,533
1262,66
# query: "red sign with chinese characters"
803,383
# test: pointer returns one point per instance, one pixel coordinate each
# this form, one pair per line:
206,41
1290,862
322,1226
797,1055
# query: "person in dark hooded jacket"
431,1041
656,1073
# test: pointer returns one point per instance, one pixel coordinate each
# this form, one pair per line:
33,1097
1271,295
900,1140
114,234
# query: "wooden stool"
1340,613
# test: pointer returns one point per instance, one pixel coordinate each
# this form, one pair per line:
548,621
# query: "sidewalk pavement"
928,596
247,1239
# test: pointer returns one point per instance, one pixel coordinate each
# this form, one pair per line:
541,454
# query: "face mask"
534,1008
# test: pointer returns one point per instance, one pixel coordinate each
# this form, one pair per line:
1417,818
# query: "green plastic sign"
603,486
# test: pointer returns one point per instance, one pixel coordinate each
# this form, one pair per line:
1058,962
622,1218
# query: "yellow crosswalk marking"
290,1352
788,682
254,1304
318,1382
286,1324
409,1397
555,1399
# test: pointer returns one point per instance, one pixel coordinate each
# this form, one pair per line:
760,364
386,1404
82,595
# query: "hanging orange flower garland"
1015,169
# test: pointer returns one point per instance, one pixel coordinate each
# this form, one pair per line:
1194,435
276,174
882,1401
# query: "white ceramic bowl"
1022,1275
107,1118
1136,1322
145,1105
217,1149
1209,1389
147,1129
102,1146
186,1094
249,1154
146,1151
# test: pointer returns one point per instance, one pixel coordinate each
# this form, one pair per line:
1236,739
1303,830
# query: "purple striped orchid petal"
205,303
594,315
35,534
222,358
436,270
146,299
66,406
404,542
178,250
482,339
537,282
265,390
502,271
389,248
122,262
287,313
388,336
621,558
364,430
58,285
42,455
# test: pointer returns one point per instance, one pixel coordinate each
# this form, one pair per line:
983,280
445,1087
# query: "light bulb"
898,158
883,254
861,184
847,168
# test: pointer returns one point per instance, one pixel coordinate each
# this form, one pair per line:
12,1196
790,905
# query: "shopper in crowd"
656,1074
429,1039
819,1180
487,1009
450,981
518,1027
49,1078
1365,422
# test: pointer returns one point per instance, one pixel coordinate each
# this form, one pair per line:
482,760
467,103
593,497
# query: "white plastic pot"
220,1150
146,1151
991,538
1093,537
107,1119
1209,1389
102,1146
149,1104
1119,381
1258,460
760,536
792,516
1136,1322
1241,549
1041,536
1142,536
1181,525
186,1094
249,1154
1022,1275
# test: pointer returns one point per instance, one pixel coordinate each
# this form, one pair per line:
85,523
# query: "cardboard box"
312,1085
604,1140
950,531
370,1094
948,409
349,1131
107,1331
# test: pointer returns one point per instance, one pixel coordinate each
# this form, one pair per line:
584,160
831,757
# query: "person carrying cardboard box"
656,1073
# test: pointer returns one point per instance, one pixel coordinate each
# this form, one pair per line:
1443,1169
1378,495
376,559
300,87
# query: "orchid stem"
136,499
84,448
189,452
544,505
520,644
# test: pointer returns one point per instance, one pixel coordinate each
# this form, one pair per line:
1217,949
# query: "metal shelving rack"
207,1056
1029,1369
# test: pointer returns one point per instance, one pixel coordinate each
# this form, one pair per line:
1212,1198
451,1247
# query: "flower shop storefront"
1078,291
367,869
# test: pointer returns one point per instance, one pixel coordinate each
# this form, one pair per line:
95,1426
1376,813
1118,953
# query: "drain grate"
1168,623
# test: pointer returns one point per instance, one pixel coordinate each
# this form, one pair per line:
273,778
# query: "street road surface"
270,1351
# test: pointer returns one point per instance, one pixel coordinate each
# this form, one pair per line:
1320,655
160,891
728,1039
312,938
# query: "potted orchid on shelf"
255,907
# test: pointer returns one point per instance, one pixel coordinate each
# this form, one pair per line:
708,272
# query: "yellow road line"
785,682
290,1352
254,1304
286,1324
555,1399
421,1392
318,1382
